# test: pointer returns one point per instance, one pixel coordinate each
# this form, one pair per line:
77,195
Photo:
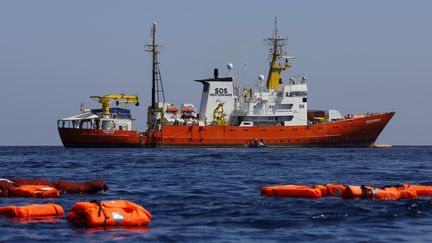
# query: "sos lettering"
221,90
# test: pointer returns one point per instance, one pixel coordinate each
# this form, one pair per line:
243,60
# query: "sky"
358,57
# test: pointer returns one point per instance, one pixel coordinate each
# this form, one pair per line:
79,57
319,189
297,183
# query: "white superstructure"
284,107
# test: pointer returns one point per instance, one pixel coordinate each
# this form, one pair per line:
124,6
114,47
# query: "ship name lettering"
221,92
373,120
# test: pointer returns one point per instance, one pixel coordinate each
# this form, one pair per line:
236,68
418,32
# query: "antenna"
82,108
245,76
260,82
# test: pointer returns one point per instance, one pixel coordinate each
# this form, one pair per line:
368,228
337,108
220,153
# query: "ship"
273,114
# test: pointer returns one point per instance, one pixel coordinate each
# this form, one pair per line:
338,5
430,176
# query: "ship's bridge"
286,106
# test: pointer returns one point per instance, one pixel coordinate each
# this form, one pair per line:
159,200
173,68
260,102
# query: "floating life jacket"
92,186
420,190
335,190
109,213
37,191
33,210
331,190
291,191
406,193
32,181
370,192
6,187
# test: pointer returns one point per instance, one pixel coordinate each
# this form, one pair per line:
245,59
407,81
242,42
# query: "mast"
274,78
158,94
154,63
157,87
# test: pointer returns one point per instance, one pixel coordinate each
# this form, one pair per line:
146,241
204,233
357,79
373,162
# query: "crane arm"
106,100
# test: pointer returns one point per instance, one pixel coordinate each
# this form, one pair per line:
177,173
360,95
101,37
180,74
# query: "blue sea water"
200,195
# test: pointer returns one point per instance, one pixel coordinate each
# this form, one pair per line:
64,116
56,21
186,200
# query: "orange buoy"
37,191
33,210
109,213
291,191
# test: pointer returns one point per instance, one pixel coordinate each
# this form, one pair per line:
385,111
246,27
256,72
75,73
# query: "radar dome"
230,66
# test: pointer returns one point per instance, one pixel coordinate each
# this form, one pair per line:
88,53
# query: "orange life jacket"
38,191
420,190
322,188
33,210
335,190
291,191
109,213
370,192
406,193
331,190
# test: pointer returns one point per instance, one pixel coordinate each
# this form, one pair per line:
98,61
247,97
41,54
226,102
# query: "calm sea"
200,195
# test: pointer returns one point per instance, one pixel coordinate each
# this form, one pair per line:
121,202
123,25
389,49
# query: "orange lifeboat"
109,213
172,109
33,210
291,191
38,191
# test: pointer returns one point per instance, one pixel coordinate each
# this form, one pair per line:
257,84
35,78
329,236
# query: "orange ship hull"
354,132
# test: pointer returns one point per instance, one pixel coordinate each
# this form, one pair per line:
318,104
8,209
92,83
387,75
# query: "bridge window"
284,118
285,106
295,93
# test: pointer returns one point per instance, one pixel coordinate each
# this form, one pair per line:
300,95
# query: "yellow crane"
106,101
219,116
